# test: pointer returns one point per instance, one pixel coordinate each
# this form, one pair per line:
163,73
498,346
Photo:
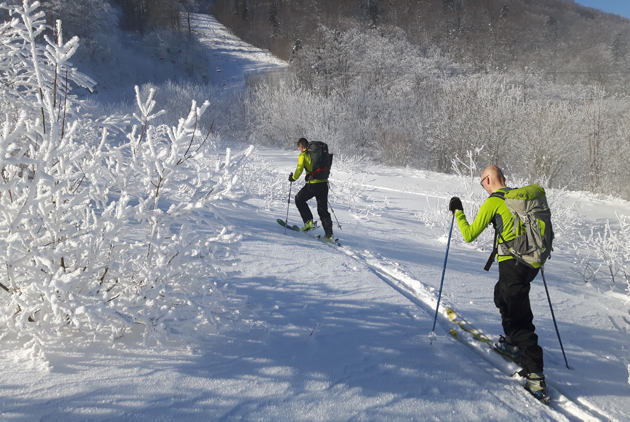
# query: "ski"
453,332
479,336
298,229
466,326
336,241
293,227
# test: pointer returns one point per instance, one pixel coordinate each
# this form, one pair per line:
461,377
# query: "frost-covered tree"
95,22
546,139
103,235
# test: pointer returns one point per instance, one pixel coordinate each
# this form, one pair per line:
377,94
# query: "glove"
291,178
455,205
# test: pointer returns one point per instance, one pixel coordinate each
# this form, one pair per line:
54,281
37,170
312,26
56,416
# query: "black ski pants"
511,296
319,191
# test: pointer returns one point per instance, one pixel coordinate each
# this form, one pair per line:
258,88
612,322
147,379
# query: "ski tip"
285,225
544,399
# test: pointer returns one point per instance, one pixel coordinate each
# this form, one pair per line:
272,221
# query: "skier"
317,188
511,293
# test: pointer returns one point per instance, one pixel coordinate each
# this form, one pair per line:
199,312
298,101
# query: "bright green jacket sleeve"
489,209
304,163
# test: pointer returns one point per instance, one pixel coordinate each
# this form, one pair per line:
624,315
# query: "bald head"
492,178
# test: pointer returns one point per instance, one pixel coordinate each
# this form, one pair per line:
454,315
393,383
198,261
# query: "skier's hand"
455,204
291,178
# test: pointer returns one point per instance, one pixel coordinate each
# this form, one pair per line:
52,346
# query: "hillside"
558,39
535,89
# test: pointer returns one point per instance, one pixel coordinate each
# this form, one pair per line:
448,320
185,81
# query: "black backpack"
321,160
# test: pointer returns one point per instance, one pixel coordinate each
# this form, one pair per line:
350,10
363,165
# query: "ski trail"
418,293
233,59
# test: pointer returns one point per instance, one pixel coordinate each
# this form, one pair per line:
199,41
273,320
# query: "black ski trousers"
319,191
511,296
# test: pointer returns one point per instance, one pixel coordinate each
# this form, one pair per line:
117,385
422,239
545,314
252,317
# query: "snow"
344,334
233,58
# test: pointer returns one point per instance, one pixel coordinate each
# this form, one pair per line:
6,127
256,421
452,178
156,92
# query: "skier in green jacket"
317,188
511,293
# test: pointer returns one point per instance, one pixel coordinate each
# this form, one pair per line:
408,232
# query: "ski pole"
542,272
288,204
448,244
333,211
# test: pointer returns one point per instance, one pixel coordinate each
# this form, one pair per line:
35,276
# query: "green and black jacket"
493,210
304,163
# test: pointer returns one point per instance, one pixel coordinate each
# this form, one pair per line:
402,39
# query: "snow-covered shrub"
471,194
260,179
348,187
605,254
227,114
350,89
469,172
434,215
100,237
585,262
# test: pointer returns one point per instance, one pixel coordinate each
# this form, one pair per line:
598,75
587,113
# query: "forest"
559,39
537,87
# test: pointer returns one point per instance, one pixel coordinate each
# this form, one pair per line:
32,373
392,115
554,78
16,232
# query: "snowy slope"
232,58
340,334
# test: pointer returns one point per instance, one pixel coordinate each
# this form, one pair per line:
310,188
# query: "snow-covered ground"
232,58
343,334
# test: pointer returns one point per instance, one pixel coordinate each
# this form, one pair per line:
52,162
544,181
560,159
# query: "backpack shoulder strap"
495,249
500,193
494,252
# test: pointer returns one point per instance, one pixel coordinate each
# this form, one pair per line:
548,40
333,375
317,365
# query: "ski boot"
310,225
506,349
330,239
535,384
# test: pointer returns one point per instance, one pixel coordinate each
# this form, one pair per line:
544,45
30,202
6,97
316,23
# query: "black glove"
291,178
455,205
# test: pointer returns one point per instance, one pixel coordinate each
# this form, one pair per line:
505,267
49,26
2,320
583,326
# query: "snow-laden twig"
468,172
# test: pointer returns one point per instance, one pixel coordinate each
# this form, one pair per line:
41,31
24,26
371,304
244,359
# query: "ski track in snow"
394,275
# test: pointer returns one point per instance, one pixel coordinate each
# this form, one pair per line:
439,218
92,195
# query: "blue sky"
619,7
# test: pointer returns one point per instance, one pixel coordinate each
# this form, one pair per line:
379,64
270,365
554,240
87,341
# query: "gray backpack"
532,226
